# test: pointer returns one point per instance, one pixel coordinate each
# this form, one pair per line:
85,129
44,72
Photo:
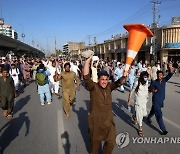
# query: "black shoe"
164,133
149,120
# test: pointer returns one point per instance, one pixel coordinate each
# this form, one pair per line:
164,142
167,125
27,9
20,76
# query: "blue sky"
74,20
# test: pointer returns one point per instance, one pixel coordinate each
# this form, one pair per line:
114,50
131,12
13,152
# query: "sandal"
5,114
134,120
9,116
140,133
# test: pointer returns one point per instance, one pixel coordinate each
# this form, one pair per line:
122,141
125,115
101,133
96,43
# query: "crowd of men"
53,75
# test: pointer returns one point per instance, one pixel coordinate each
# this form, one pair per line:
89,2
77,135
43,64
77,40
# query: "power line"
137,15
167,0
169,7
140,13
132,17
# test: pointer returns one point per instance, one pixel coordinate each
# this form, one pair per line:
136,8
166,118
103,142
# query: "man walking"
14,73
68,87
54,86
158,88
43,84
154,70
7,94
100,120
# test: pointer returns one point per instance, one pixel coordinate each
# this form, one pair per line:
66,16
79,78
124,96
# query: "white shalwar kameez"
141,99
75,69
54,86
118,73
14,74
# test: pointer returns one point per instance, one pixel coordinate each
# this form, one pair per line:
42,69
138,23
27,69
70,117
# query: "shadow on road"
66,144
82,115
21,103
151,126
126,118
12,129
176,83
117,109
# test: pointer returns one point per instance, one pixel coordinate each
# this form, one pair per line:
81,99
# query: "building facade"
7,30
167,46
170,43
73,48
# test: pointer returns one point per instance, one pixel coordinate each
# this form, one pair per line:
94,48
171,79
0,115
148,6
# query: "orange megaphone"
137,35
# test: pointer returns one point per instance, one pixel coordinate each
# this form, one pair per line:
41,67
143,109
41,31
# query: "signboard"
172,45
176,21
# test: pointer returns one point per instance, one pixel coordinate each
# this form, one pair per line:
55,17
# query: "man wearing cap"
100,120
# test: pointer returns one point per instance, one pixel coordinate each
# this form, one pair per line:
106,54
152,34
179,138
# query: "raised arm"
87,65
89,83
170,74
118,83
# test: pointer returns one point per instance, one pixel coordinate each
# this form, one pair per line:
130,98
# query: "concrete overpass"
19,48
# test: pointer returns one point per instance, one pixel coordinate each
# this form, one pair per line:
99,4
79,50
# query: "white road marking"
172,123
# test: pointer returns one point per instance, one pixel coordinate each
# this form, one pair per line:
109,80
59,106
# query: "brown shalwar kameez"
7,90
100,120
68,89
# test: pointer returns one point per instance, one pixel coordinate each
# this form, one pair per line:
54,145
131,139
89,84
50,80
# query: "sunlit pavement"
44,130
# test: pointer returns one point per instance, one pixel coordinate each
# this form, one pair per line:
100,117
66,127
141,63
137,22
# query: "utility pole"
47,45
89,40
55,47
95,40
154,26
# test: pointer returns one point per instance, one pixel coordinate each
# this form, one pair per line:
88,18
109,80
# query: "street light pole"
22,33
55,47
23,36
48,45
